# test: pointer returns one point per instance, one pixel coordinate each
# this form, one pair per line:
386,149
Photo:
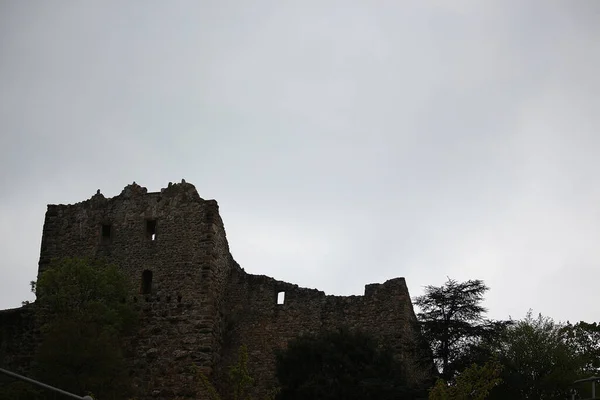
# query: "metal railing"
592,379
52,388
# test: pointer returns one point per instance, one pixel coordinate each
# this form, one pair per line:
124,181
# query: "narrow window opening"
151,229
106,231
179,299
280,297
146,282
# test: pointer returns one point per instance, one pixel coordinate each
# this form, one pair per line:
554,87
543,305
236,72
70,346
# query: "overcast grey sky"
347,142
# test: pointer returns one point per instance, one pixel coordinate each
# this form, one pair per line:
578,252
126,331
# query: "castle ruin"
197,305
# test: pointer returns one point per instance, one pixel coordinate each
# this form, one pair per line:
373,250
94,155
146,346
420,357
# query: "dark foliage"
481,349
584,339
452,320
537,361
83,320
341,364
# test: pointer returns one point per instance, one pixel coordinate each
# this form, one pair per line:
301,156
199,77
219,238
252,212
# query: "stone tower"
172,246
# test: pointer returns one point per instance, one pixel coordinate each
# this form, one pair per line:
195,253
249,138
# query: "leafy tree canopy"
474,383
240,381
538,363
83,318
584,339
452,320
340,364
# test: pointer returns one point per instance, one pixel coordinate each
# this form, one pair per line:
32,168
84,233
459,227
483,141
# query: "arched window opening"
146,282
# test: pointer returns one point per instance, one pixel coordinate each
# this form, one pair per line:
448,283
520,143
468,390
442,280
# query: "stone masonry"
197,305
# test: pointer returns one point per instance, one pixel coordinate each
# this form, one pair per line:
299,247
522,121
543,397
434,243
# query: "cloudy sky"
347,142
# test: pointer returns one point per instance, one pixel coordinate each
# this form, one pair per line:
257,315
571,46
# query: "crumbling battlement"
257,317
197,304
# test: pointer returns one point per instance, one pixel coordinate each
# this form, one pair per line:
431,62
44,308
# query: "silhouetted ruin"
197,305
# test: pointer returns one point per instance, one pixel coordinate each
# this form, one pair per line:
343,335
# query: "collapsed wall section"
258,321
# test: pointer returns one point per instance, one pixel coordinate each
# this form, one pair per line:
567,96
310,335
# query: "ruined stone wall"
201,305
18,340
256,320
222,265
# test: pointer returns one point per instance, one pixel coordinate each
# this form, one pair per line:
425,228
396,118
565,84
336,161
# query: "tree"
239,378
474,383
83,319
538,363
584,338
339,364
452,320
